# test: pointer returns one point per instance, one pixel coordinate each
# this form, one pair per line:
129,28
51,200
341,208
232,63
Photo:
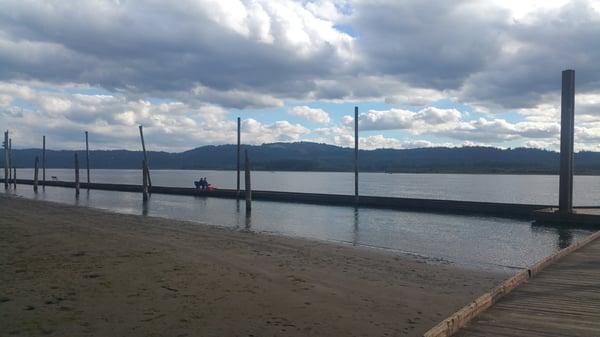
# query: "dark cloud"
165,49
428,43
256,54
537,49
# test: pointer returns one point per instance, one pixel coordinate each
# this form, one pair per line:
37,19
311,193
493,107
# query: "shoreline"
68,270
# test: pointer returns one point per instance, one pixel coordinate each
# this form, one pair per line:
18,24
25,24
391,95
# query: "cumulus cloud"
264,48
258,53
112,121
312,114
400,119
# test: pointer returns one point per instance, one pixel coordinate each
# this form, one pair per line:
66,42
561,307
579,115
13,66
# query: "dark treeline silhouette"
306,156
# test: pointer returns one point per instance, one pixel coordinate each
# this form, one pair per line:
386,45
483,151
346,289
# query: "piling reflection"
145,207
355,237
565,238
563,232
248,221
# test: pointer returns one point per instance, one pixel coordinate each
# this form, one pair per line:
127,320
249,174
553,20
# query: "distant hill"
306,156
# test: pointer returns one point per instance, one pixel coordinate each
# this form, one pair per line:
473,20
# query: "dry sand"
74,271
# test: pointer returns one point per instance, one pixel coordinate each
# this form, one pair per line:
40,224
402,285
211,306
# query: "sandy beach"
74,271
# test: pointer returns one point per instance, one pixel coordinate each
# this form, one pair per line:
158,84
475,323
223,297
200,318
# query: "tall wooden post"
248,185
355,154
145,156
14,177
44,161
87,158
567,131
35,174
10,164
144,181
238,155
6,159
76,175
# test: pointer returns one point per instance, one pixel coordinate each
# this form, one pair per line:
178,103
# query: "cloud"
210,49
180,67
312,114
382,142
400,119
249,54
112,121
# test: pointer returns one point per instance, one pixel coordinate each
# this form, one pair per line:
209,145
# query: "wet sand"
74,271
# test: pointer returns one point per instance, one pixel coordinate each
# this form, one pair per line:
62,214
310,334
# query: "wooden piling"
10,159
147,169
567,131
35,174
355,154
144,181
238,154
14,177
6,159
87,157
43,160
248,185
76,175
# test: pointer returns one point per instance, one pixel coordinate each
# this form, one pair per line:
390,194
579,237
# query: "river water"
471,241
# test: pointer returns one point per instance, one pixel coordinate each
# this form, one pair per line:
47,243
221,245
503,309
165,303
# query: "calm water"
475,242
531,189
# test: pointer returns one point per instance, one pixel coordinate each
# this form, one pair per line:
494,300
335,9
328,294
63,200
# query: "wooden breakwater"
412,204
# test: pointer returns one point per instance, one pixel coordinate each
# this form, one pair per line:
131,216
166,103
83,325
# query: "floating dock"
579,216
544,214
410,204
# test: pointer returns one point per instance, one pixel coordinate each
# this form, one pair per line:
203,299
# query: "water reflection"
565,237
355,237
564,232
248,221
145,207
473,241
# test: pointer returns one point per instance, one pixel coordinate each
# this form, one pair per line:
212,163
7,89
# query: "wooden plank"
145,156
356,154
87,157
10,160
43,160
6,159
248,185
239,130
563,299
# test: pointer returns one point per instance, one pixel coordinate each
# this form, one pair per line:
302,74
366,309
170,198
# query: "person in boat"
204,183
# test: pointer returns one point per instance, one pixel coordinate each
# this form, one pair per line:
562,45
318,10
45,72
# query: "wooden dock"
561,300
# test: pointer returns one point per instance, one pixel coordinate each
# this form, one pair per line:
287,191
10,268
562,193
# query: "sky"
422,73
